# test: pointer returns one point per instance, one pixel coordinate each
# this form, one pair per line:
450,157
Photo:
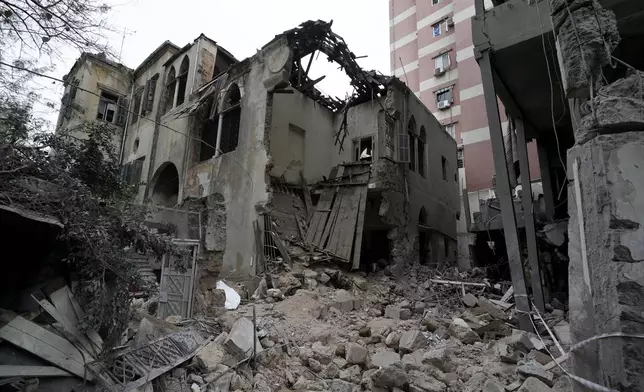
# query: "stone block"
341,386
360,283
356,354
469,300
392,340
389,377
240,338
491,309
462,331
534,385
321,353
397,313
493,386
351,374
212,355
384,358
411,341
343,300
536,370
441,358
425,382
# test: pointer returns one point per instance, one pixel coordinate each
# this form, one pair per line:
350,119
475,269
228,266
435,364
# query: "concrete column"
218,144
503,190
528,216
546,181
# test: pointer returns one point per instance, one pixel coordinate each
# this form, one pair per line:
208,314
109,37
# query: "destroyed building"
250,163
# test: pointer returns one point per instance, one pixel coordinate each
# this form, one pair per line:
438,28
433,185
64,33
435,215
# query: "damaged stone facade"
241,126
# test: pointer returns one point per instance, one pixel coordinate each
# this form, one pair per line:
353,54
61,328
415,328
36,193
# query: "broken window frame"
108,107
231,120
182,81
147,105
359,143
170,87
422,141
136,105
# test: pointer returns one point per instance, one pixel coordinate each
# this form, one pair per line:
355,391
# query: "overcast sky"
242,27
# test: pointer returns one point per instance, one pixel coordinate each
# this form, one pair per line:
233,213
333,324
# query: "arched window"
411,130
166,185
182,79
170,87
422,216
231,113
421,151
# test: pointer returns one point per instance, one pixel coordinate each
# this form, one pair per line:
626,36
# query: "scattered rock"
301,384
322,353
384,358
343,301
469,300
540,357
534,385
519,340
411,341
310,274
506,353
217,372
405,304
365,332
260,384
275,293
333,274
493,386
331,371
461,331
536,370
397,313
240,338
288,283
393,340
441,358
360,283
374,339
173,319
341,386
356,354
389,377
212,355
419,307
195,378
430,323
222,384
240,383
341,363
562,330
425,382
315,365
340,350
492,309
351,374
323,278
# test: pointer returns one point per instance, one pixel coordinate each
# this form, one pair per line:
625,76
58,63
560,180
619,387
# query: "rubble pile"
321,329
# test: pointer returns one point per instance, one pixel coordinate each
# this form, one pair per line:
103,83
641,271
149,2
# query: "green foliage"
76,179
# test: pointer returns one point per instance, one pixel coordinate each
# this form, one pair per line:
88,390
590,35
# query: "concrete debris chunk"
506,353
341,386
364,332
356,354
275,293
519,340
384,358
536,370
343,300
425,382
360,283
492,309
288,283
533,384
211,356
462,331
441,358
301,384
351,374
411,341
540,357
493,386
323,278
331,371
240,338
389,377
217,372
469,300
222,384
393,340
315,365
419,307
239,382
321,353
397,312
430,322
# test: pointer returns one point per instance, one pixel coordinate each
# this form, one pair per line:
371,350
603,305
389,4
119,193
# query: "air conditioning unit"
444,104
439,71
449,22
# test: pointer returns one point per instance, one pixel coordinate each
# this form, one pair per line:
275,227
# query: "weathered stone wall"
607,268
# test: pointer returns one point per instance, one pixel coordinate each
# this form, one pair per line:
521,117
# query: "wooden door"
175,291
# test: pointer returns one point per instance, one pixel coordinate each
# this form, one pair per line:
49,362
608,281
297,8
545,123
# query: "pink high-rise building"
431,50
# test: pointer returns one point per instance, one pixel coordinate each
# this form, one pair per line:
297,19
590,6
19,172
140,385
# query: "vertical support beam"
466,205
503,190
528,216
546,181
218,143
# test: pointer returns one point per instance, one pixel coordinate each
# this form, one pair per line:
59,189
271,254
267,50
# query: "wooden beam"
307,199
32,371
47,345
66,304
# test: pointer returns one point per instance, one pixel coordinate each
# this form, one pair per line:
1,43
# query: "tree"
78,182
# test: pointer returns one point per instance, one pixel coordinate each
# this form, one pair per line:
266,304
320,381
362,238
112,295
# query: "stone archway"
165,189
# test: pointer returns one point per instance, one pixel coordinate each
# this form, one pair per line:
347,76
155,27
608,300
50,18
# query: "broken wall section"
607,258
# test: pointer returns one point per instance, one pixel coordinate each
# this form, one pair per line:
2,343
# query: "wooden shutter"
403,147
121,116
150,89
138,168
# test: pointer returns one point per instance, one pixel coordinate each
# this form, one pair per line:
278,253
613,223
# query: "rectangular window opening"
107,107
442,62
208,139
363,149
450,129
436,29
138,95
445,95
